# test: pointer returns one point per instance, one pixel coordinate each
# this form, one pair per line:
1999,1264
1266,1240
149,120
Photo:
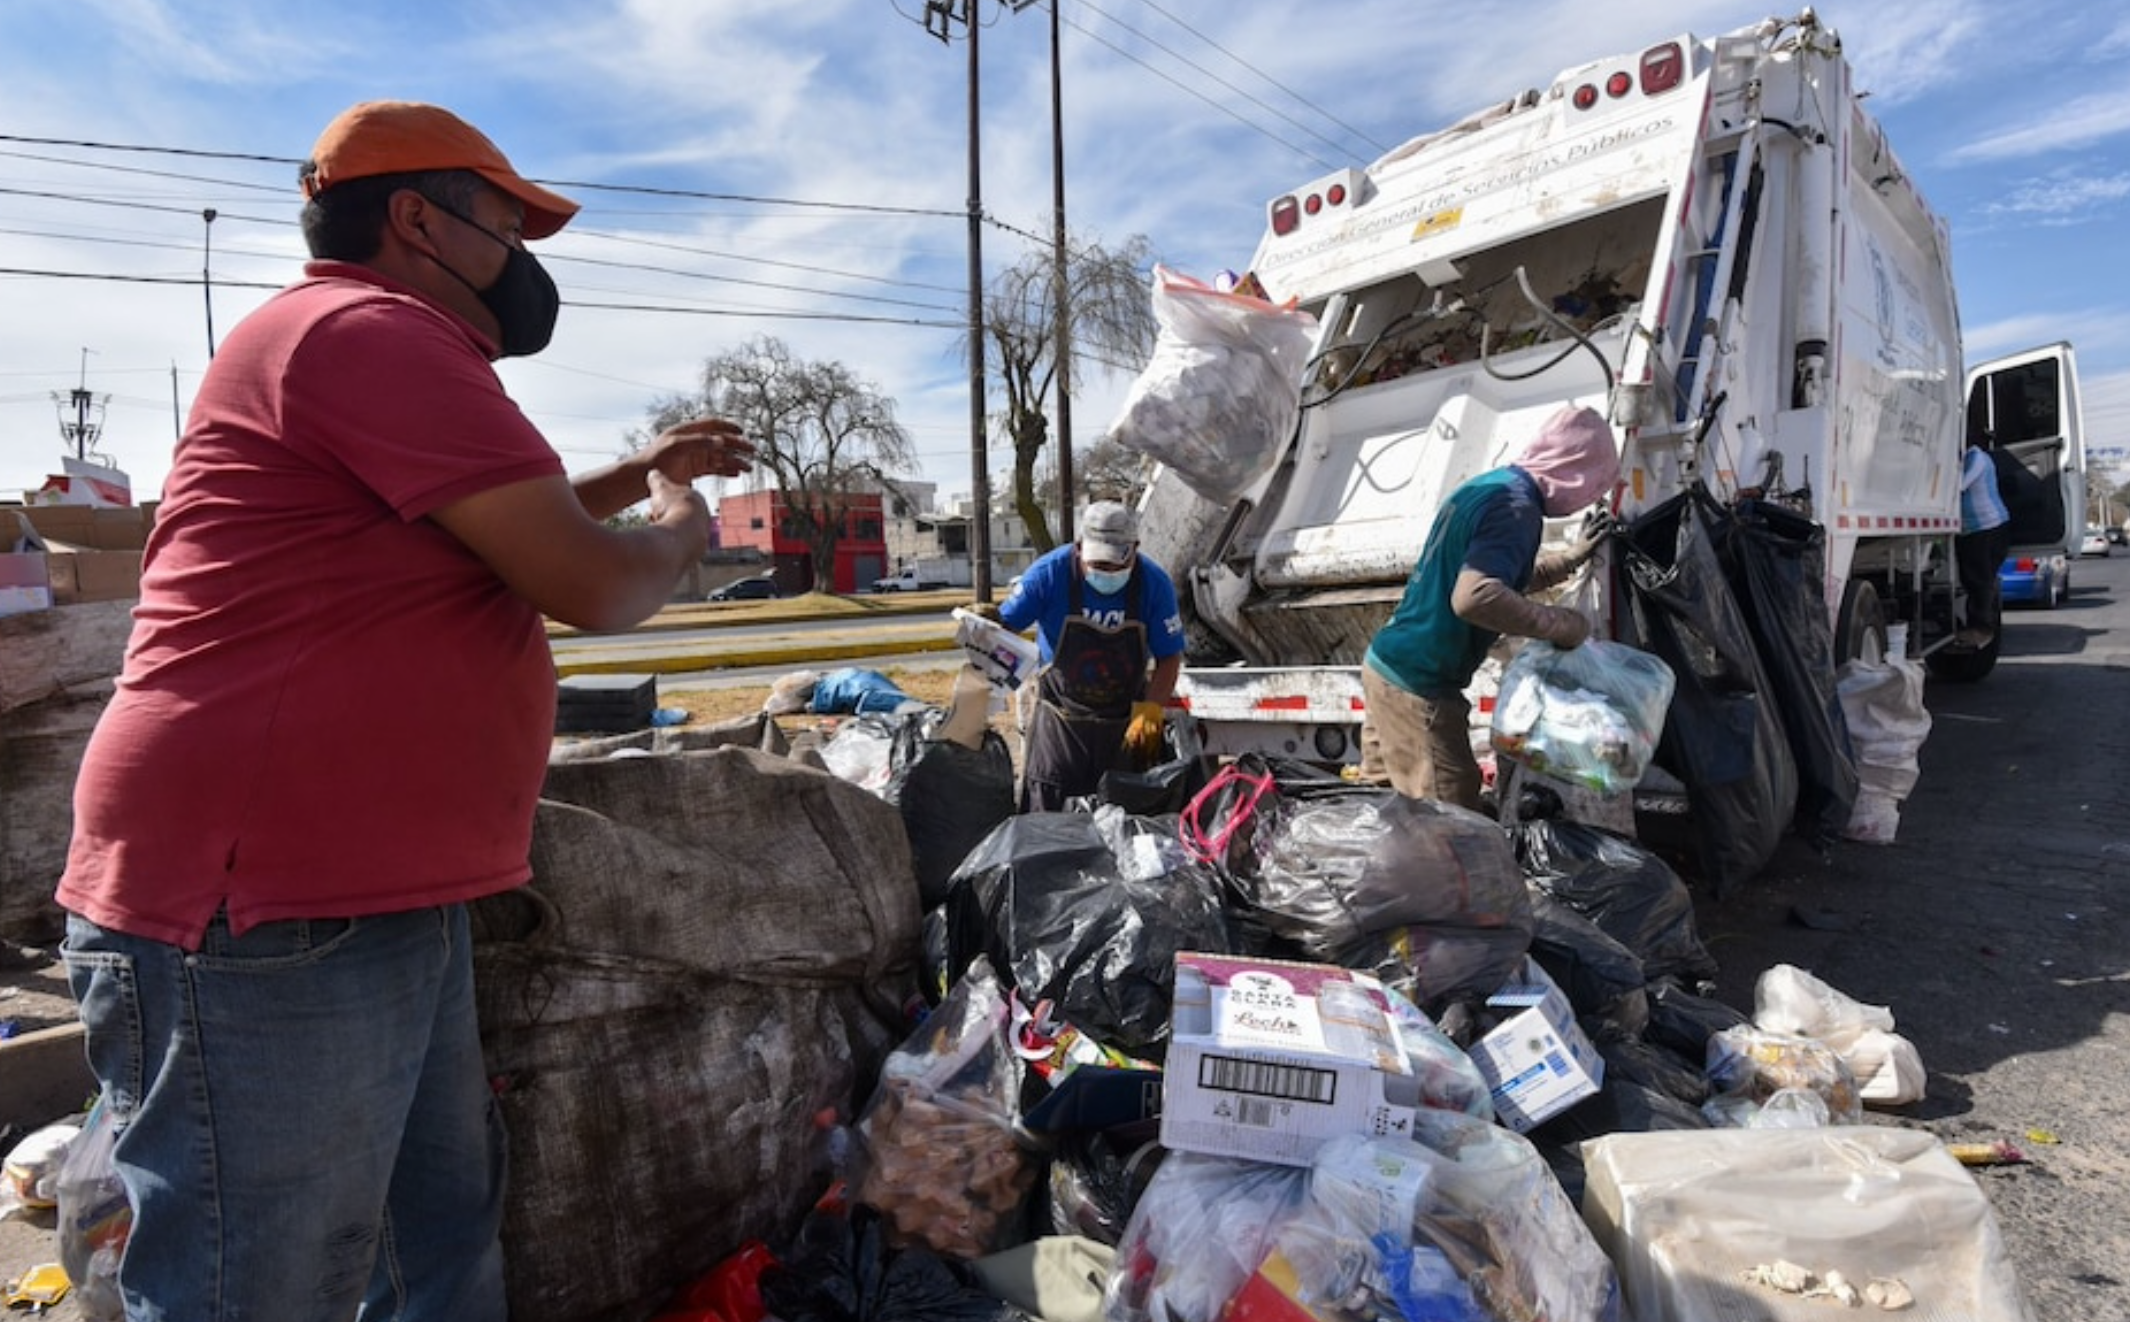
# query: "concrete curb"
796,657
44,1075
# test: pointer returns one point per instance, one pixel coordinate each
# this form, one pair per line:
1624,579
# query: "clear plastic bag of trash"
1221,395
1591,715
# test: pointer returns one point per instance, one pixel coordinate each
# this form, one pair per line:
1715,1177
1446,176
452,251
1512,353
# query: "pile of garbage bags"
1020,1155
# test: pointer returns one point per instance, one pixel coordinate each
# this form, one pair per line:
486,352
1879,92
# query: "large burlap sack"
716,948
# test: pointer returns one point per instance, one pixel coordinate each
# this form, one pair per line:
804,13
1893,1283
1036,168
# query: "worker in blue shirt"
1979,549
1112,647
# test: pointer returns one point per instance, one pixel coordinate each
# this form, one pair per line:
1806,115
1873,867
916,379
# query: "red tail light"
1585,97
1662,68
1618,85
1286,214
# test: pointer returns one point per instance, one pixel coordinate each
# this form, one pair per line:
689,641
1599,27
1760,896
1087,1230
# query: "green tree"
821,434
1111,321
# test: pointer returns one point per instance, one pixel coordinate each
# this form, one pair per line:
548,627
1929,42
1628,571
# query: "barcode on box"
1295,1083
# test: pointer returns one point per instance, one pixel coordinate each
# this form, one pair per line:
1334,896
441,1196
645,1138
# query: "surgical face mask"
1109,582
523,299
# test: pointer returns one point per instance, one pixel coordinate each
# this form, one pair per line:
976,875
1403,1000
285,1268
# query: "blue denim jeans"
307,1132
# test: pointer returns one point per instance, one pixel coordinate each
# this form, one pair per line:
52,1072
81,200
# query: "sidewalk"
870,628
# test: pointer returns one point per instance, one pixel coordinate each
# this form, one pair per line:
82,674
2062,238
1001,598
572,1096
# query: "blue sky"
1182,118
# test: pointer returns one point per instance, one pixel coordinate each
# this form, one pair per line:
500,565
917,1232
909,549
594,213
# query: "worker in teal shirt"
1466,590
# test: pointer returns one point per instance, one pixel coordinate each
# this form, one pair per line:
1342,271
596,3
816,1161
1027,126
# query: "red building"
766,522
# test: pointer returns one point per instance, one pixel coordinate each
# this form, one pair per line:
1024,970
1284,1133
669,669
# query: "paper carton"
1268,1059
24,585
1539,1062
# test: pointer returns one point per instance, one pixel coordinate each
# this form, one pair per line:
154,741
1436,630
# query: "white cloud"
2057,126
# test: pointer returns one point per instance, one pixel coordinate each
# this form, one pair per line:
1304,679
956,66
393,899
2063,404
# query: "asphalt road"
1996,927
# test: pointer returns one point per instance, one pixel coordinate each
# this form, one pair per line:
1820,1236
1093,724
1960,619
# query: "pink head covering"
1573,459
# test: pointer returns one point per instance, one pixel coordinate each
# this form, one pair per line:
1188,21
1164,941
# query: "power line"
1225,110
640,190
770,314
1379,147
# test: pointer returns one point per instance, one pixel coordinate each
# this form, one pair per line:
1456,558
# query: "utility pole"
1062,300
939,18
206,276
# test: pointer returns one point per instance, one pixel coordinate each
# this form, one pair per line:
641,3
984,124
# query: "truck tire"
1860,630
1965,665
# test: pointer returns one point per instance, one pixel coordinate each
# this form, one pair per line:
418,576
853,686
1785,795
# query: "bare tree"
1108,470
820,433
1112,326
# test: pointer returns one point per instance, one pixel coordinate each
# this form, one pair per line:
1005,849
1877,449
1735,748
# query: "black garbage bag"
1086,920
1656,1067
1426,895
1684,1021
1776,561
1630,893
1723,738
841,1269
1160,790
950,796
1601,978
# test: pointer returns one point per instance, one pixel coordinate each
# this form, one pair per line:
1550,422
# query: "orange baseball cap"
397,137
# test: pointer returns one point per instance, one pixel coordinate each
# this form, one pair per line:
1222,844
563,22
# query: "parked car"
2035,580
2096,543
2117,537
761,588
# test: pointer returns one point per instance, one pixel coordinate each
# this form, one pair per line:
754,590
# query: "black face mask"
523,299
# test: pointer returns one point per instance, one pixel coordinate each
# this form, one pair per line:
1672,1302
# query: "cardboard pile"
60,555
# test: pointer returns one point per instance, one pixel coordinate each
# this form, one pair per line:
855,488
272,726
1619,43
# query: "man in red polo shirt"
330,734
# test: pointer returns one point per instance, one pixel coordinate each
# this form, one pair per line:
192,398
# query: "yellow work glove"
1142,738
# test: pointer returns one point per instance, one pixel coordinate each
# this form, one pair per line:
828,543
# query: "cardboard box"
94,528
78,575
1538,1063
24,583
1268,1059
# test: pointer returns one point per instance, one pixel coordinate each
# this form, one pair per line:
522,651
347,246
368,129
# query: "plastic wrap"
1755,1064
95,1216
1199,1231
1222,393
1887,1067
1425,895
1590,715
942,1155
1050,902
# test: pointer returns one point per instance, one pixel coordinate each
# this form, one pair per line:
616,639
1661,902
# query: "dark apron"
1084,703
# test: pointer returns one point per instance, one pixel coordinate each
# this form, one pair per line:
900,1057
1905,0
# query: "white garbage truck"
1708,240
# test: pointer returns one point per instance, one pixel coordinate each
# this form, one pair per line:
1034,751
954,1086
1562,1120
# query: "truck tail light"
1662,68
1286,214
